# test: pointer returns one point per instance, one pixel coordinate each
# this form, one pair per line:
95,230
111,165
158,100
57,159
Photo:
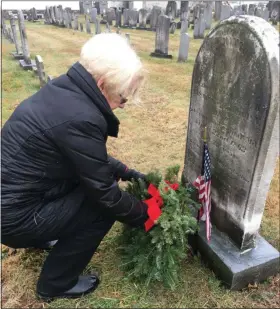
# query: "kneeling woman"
58,182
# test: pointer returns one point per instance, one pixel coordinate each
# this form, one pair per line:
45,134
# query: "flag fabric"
203,185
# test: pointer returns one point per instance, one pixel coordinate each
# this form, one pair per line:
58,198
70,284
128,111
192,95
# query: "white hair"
108,56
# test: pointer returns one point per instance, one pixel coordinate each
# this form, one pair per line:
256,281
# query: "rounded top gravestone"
235,94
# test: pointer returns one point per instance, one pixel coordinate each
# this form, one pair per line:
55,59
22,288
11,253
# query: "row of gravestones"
22,52
56,15
224,11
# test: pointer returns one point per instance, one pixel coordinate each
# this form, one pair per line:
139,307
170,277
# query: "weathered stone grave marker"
40,70
173,27
18,53
199,23
143,13
184,47
240,108
97,26
162,38
81,27
118,18
155,13
26,62
93,15
184,10
225,12
125,18
132,18
171,9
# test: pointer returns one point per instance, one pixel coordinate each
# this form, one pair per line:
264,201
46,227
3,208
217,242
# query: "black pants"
77,242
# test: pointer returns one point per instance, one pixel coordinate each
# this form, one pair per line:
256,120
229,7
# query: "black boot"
85,285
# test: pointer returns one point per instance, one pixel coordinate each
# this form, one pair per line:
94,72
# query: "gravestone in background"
171,9
93,15
235,94
26,62
225,11
218,9
40,70
18,53
155,13
184,47
132,18
143,13
162,38
125,18
184,10
118,18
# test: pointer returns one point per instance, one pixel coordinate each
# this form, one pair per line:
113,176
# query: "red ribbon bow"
174,186
154,204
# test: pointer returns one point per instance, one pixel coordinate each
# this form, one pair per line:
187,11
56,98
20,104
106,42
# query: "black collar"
82,78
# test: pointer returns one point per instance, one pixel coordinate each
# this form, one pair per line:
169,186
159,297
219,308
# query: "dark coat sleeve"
121,171
84,145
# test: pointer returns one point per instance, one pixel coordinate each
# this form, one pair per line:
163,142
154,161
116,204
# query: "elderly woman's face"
117,102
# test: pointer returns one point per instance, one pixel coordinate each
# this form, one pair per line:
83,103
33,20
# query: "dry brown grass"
152,135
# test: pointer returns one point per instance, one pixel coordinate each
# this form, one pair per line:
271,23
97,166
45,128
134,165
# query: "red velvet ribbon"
155,203
174,186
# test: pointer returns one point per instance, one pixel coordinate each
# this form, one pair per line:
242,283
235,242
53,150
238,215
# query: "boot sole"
48,299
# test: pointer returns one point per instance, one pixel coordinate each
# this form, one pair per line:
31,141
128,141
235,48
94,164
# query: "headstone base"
160,55
141,28
27,66
16,55
236,270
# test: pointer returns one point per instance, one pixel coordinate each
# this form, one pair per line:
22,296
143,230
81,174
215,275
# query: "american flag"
203,185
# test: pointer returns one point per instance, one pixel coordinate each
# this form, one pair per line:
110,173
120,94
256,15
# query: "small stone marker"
240,108
81,27
173,27
184,47
162,38
40,70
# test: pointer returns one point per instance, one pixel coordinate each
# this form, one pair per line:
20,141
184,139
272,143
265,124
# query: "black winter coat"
54,153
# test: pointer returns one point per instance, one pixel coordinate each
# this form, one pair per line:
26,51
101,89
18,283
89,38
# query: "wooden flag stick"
205,135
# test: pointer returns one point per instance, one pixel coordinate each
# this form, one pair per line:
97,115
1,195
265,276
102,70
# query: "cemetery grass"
152,135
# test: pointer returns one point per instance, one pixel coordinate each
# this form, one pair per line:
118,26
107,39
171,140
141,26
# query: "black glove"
121,171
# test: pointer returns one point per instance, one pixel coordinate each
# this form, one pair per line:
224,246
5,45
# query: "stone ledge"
26,66
16,55
234,269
